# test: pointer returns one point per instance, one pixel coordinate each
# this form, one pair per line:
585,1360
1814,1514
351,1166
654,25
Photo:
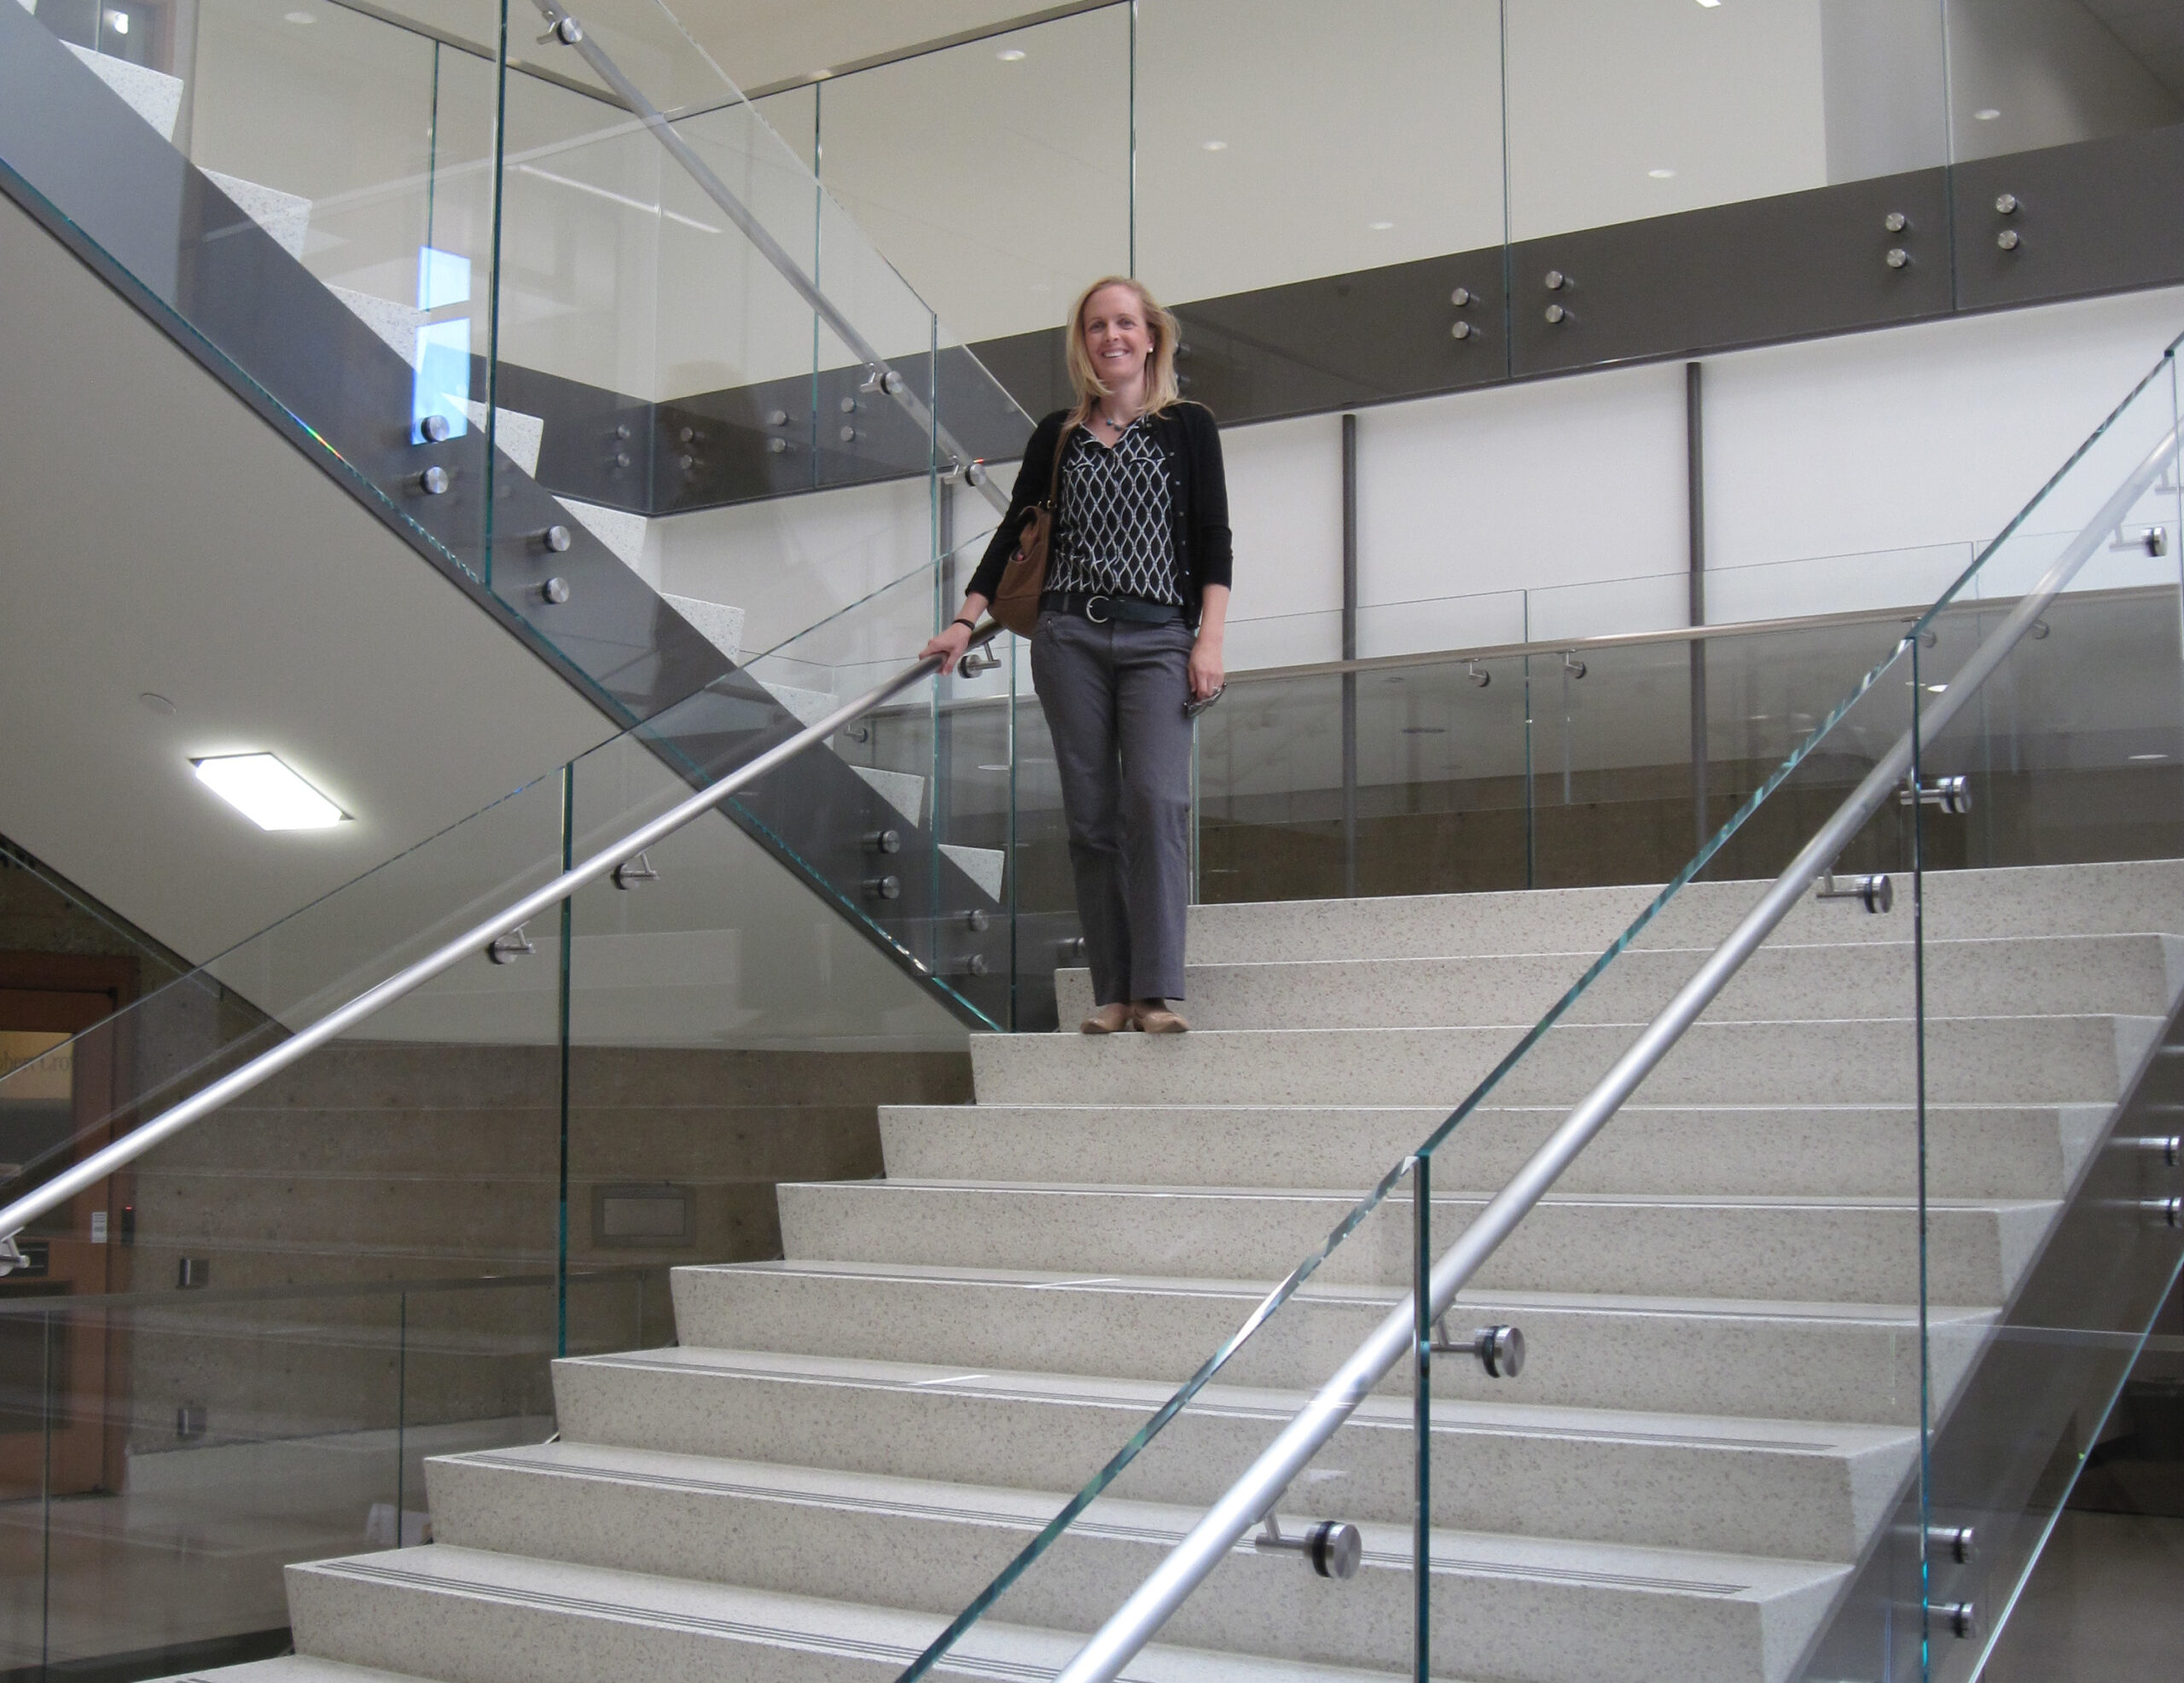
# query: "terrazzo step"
1772,1361
921,1545
1972,1150
294,1668
2131,899
473,1616
1835,1250
1968,1060
2061,975
1795,1487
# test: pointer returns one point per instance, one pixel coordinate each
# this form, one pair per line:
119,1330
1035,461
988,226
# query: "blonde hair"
1161,391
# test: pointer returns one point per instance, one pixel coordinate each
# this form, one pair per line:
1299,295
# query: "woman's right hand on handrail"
956,636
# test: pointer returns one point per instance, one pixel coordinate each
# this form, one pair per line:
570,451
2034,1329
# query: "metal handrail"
1252,1496
476,939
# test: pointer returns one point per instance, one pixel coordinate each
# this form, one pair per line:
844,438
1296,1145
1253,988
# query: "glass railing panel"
333,258
1617,113
2047,1014
1231,193
2023,75
1035,118
164,1454
1686,1139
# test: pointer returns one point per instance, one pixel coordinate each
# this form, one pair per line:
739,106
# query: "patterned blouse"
1115,535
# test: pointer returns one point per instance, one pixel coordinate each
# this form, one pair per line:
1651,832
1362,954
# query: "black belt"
1101,609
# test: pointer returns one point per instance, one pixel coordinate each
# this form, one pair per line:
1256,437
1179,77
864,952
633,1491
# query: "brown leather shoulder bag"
1016,598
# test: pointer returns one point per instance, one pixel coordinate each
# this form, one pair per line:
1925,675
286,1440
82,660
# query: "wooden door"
61,1408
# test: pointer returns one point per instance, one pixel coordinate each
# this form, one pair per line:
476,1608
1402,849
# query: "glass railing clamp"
2152,540
1876,893
1952,795
1499,1349
1332,1547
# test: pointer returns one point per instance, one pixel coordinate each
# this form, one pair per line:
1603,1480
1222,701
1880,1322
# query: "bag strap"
1053,479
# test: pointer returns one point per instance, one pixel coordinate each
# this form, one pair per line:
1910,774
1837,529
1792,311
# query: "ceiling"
2153,32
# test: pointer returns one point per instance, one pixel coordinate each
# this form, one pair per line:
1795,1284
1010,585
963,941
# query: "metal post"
1695,517
1421,1297
1350,652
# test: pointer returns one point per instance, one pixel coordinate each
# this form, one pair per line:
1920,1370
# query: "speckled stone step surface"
2135,898
483,1618
1801,1488
1765,1360
1973,1151
292,1669
1843,1250
916,1544
2126,974
1998,1060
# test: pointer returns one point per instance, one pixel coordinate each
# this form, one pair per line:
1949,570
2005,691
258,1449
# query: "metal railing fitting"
1139,1619
501,933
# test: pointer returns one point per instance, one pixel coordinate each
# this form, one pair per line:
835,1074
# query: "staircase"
1719,1406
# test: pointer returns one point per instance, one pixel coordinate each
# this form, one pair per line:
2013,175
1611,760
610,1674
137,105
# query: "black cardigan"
1197,491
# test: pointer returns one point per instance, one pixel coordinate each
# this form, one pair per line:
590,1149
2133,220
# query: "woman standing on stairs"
1129,634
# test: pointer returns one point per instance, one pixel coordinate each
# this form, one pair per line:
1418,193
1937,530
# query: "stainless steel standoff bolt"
1961,1543
432,482
1461,298
975,965
777,446
1332,1547
1895,222
975,920
635,874
2006,239
1961,1617
1499,1349
776,417
554,592
566,30
2169,1149
2006,204
1459,330
848,435
883,841
2153,540
555,538
433,429
1556,280
1556,315
1951,795
1070,950
1897,257
2165,1212
508,948
848,405
883,888
1876,894
976,472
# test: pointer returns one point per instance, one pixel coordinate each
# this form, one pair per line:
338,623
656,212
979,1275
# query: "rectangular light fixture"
267,793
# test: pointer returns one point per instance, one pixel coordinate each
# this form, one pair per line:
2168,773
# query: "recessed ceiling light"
1710,4
1010,54
820,75
1985,115
1213,145
297,17
1003,766
1938,689
117,22
2149,756
266,792
1662,175
1379,227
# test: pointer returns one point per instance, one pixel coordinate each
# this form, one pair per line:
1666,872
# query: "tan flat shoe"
1153,1017
1108,1019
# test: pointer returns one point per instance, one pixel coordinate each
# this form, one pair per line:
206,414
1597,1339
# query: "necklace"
1116,426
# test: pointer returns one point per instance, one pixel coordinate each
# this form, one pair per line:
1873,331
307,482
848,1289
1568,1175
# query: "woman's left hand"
1206,673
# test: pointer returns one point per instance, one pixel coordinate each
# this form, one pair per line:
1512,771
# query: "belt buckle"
1090,602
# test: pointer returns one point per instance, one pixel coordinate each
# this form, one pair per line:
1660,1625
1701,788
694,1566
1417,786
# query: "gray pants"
1113,696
